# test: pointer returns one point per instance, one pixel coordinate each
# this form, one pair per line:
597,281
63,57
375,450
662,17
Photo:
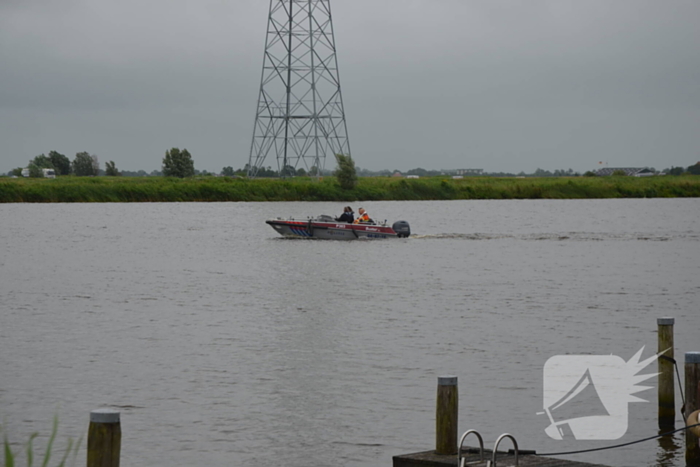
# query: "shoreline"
71,189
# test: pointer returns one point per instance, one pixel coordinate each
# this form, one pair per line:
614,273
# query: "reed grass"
164,189
70,452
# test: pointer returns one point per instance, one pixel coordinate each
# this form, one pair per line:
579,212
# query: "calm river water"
222,343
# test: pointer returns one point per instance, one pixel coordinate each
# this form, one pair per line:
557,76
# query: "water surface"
222,343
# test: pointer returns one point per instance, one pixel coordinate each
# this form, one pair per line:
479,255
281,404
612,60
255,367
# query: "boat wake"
568,236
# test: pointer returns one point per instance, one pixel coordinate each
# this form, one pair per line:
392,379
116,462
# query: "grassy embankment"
160,189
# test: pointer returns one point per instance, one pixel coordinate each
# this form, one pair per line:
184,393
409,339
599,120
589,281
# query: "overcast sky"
501,85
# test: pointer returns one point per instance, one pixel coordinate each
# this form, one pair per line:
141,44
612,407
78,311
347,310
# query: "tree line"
176,163
179,163
692,169
83,165
269,172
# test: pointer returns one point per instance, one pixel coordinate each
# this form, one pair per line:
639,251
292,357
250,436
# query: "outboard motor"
402,228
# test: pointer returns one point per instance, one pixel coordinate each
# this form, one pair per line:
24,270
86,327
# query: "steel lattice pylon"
300,117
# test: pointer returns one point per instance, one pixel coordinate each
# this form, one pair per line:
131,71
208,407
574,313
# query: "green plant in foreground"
71,450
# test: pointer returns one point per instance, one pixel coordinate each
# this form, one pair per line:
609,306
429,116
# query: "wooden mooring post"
446,440
446,416
104,438
692,403
667,397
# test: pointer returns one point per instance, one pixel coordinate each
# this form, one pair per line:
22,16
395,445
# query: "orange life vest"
363,219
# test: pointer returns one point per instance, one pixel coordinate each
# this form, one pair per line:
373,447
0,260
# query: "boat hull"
329,230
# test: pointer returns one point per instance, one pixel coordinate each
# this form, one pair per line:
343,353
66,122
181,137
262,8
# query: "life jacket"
363,219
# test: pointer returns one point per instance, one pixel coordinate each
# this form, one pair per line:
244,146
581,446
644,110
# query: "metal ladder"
462,462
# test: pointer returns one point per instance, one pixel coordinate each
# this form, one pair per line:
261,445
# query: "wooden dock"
504,459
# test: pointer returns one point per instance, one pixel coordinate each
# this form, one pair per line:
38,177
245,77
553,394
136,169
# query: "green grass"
71,450
163,189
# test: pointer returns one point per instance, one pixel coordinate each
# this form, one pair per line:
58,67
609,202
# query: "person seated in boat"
363,218
347,215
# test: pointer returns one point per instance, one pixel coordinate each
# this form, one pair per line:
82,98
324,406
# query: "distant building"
468,171
457,177
412,176
46,173
630,171
397,174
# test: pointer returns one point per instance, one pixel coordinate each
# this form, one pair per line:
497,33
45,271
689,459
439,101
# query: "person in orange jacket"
363,218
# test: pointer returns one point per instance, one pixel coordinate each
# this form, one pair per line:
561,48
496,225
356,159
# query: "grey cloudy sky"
503,85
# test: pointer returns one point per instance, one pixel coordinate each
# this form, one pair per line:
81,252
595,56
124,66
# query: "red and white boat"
327,228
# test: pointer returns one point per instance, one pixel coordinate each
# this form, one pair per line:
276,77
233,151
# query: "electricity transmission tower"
300,117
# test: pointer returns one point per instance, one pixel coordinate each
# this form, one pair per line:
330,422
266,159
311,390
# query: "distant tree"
228,171
266,172
111,169
419,171
288,171
301,172
178,163
694,169
313,171
564,173
42,162
35,171
84,165
589,174
345,173
16,172
675,171
95,164
618,173
60,163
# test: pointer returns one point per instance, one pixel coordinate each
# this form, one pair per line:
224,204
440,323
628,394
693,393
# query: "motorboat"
327,228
